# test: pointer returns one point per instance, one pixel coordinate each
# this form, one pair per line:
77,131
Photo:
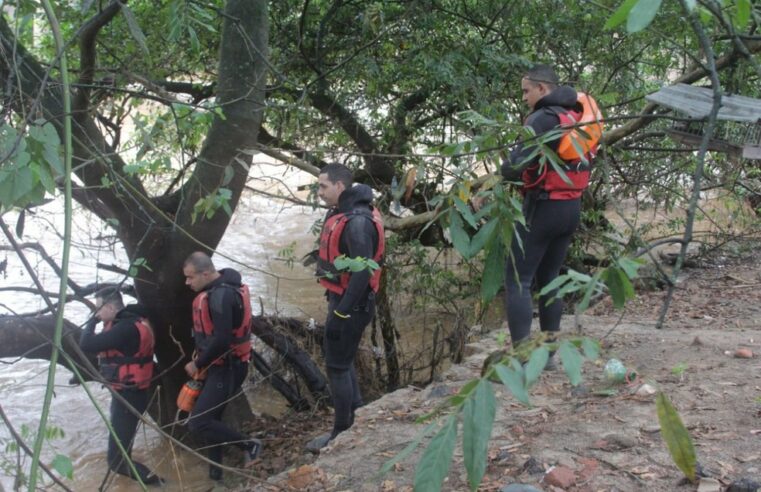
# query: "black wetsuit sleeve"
123,336
541,121
359,239
223,303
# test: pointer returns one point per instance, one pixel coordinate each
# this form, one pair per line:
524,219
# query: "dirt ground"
575,439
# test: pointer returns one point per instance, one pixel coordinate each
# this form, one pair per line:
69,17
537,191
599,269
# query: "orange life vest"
129,371
583,133
330,242
203,326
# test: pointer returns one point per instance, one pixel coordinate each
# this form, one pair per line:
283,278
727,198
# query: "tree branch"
87,37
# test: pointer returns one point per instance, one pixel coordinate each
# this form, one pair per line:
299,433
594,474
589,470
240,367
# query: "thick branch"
377,167
305,158
87,37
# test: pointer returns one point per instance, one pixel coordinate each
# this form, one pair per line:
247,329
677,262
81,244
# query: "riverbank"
575,439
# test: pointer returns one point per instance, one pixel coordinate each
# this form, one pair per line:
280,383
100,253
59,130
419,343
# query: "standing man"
551,204
222,333
352,227
125,356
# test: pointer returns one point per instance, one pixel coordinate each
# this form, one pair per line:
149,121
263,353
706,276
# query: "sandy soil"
600,443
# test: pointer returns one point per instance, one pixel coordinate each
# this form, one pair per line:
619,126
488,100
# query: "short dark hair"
338,172
110,295
542,74
200,261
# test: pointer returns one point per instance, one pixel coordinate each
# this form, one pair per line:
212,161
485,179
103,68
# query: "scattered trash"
646,390
709,485
615,371
743,353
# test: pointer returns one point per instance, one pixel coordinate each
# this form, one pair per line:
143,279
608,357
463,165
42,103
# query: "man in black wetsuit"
352,228
222,333
551,206
125,355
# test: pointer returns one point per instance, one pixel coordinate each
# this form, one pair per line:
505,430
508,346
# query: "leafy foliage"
30,164
676,437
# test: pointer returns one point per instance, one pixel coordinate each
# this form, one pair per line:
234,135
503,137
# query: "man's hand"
191,369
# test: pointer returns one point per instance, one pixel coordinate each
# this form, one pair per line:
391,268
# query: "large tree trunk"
31,338
161,230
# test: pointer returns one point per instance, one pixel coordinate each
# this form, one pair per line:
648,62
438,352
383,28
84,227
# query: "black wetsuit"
124,337
224,381
551,224
342,335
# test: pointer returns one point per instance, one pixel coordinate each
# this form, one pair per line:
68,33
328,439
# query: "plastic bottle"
615,371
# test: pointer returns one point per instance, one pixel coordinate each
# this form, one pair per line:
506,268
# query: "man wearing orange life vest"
222,333
125,355
551,206
353,228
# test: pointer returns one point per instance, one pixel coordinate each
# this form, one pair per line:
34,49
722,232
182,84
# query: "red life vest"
134,371
577,167
330,242
203,326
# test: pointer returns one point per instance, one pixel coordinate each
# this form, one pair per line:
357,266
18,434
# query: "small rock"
743,353
502,455
697,342
519,487
651,429
744,485
589,468
579,390
619,441
646,390
438,391
709,485
532,466
560,476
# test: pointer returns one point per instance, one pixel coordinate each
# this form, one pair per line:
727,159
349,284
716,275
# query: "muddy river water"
260,229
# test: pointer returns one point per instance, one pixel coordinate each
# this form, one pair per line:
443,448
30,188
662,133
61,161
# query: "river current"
263,233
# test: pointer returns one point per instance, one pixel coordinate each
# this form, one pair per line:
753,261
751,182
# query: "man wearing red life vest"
353,228
125,355
222,333
552,205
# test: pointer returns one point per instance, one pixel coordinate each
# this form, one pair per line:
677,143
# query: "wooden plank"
696,102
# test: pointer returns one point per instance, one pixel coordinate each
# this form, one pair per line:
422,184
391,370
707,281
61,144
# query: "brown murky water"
259,230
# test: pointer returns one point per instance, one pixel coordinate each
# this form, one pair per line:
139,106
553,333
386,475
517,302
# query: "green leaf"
434,465
457,232
494,272
592,286
620,14
743,13
62,464
571,359
406,451
514,382
535,366
676,437
134,28
478,419
229,174
465,211
620,287
483,235
591,348
630,266
642,14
